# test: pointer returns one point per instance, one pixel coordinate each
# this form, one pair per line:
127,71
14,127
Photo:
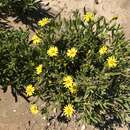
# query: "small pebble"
83,127
42,105
54,110
48,124
44,118
14,110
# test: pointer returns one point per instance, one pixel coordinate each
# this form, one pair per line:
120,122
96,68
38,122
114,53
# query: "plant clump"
81,64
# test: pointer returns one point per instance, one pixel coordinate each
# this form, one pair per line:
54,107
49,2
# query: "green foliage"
103,92
17,60
102,95
20,7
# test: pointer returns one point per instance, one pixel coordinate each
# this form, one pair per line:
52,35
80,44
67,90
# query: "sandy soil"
16,116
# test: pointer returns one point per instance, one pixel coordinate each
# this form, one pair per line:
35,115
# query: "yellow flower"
72,52
53,51
73,88
30,90
114,17
39,69
34,109
89,16
68,81
36,40
112,62
43,22
103,50
69,110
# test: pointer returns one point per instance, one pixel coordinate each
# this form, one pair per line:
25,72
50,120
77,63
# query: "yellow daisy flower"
73,88
68,81
34,109
53,51
36,40
39,69
43,22
114,17
30,90
103,50
112,62
69,110
89,16
72,52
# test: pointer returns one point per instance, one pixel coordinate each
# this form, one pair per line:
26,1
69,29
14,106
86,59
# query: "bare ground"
16,116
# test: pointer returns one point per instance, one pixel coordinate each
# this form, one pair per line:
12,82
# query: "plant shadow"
28,18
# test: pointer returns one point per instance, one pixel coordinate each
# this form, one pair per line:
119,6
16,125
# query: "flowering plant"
81,65
18,61
86,68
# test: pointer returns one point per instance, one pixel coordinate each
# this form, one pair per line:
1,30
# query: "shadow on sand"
28,17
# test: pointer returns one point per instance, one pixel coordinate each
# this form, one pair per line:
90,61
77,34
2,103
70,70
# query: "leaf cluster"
103,92
18,7
18,60
102,95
